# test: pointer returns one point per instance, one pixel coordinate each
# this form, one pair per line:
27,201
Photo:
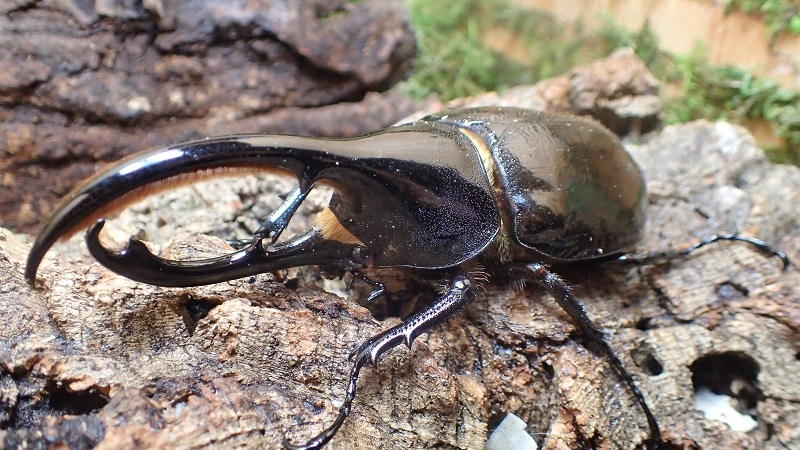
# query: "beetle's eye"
361,255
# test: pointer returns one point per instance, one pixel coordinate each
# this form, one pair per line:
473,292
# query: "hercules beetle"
516,190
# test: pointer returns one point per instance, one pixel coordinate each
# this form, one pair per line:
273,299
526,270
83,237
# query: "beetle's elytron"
516,190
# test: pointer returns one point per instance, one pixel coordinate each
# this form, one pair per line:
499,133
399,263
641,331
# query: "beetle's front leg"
460,292
277,221
597,341
378,288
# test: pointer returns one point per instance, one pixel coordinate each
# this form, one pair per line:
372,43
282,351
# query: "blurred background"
83,84
737,60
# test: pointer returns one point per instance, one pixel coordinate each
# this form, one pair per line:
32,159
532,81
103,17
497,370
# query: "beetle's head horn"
136,262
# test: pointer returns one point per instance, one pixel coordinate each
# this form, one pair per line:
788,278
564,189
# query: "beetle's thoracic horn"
393,196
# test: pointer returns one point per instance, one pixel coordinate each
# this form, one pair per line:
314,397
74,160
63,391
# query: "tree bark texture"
86,83
90,359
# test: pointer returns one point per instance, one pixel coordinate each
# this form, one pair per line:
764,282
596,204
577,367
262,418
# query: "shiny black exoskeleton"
514,189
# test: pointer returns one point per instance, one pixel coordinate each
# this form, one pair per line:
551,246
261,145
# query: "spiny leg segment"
460,292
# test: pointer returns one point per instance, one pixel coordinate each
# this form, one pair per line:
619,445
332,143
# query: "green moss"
454,61
717,92
730,93
778,15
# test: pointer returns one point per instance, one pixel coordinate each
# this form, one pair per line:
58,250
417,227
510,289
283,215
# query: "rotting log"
89,358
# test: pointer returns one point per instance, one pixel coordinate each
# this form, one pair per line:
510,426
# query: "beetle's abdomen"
567,188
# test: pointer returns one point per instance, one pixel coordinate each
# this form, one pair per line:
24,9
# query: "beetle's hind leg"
460,292
596,339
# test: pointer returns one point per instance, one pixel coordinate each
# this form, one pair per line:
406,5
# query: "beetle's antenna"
668,255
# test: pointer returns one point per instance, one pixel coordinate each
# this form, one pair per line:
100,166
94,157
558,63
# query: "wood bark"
86,83
90,359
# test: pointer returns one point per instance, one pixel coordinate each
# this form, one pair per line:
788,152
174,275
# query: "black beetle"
516,190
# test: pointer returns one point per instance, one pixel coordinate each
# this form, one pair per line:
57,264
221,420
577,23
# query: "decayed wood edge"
268,358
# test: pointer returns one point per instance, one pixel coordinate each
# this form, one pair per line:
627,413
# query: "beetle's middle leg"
459,293
574,308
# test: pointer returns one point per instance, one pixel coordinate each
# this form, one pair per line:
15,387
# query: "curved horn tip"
40,248
30,271
35,257
93,238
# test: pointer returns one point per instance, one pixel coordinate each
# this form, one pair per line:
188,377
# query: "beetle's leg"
277,220
460,292
378,288
238,244
562,294
667,255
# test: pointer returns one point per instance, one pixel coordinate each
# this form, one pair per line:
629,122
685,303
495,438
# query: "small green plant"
454,61
778,15
716,92
730,93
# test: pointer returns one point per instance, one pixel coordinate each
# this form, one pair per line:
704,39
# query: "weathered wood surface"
91,359
86,83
